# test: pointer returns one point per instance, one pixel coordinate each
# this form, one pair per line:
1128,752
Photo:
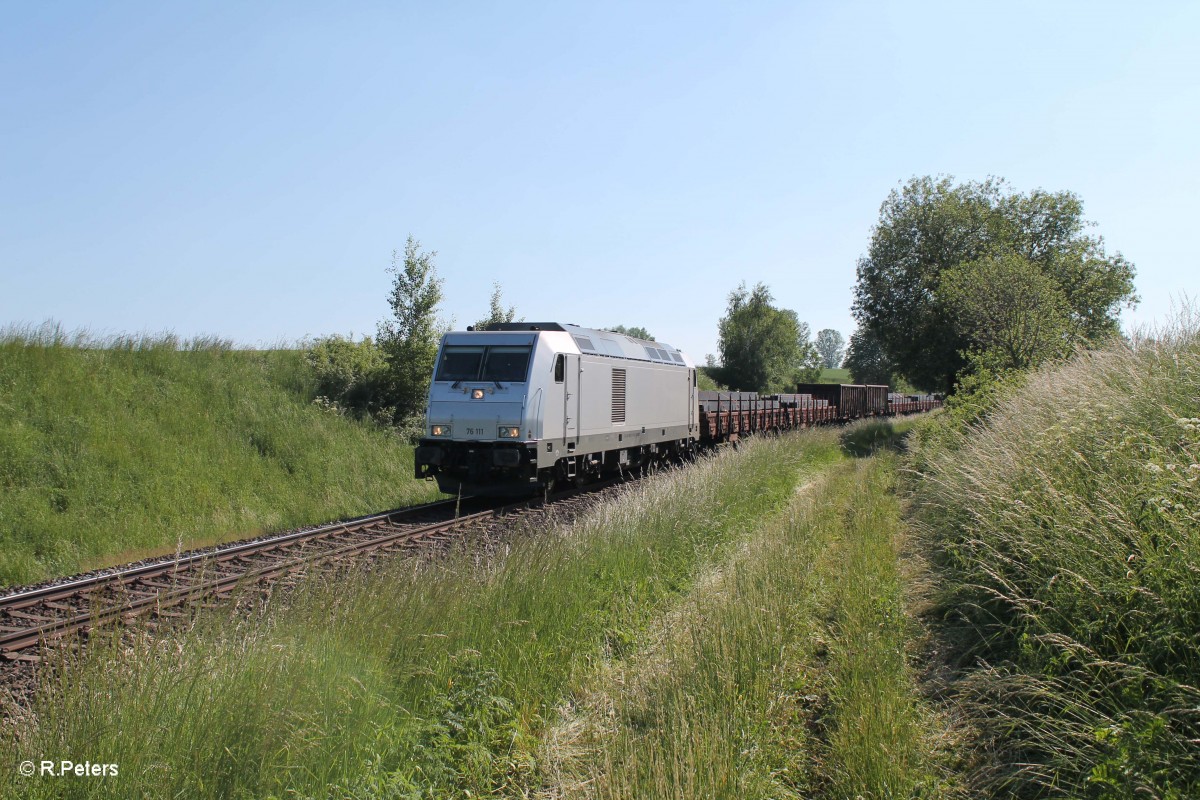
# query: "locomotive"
525,406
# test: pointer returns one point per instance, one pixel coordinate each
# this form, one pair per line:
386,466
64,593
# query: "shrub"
349,375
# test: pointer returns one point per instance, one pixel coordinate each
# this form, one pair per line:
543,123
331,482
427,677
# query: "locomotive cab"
479,429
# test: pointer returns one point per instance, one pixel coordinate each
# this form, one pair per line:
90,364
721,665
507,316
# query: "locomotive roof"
601,342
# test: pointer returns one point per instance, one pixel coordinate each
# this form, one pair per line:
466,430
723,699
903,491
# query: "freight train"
523,407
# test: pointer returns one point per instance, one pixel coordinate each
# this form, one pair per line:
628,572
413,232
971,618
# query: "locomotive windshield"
506,364
463,363
460,363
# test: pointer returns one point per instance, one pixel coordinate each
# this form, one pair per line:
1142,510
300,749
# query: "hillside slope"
1066,531
140,446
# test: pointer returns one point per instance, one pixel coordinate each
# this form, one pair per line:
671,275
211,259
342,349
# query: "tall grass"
783,674
1067,529
417,680
118,447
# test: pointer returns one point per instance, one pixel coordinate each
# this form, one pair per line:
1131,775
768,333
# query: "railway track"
34,617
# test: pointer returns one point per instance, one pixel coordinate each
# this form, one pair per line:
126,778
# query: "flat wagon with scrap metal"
728,416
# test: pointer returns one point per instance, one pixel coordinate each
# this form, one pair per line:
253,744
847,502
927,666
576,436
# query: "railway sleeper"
159,586
58,606
32,617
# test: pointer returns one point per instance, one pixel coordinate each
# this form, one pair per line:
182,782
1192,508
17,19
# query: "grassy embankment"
1066,532
741,619
834,376
135,446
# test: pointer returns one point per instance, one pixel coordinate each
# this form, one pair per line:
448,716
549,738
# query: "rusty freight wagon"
850,400
727,416
853,401
877,400
911,403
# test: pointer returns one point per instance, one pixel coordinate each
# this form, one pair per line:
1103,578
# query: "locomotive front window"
459,363
506,364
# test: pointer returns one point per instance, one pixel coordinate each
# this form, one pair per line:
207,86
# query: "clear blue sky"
246,169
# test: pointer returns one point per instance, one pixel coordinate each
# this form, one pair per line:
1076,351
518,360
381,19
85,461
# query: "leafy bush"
975,396
349,375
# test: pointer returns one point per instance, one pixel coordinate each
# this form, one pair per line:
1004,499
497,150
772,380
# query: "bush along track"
1066,535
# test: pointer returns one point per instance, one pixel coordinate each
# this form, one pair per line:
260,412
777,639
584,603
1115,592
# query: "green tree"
866,360
635,332
830,346
763,348
498,312
410,339
929,226
705,381
1013,314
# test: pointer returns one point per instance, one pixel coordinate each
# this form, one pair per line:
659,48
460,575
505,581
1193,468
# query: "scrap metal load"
727,416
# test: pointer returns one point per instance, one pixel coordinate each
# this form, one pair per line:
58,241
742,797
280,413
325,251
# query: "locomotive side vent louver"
618,395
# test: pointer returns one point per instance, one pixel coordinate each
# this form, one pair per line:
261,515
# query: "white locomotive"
524,406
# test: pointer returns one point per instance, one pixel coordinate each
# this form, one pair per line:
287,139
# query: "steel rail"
14,641
133,593
60,591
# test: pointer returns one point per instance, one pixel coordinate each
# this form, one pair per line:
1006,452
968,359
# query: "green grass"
1066,530
784,674
117,449
743,620
834,376
877,744
416,681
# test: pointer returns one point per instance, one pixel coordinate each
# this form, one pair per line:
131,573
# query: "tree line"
959,280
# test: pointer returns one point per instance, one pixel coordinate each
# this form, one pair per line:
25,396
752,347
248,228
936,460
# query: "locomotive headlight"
477,394
440,430
510,433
